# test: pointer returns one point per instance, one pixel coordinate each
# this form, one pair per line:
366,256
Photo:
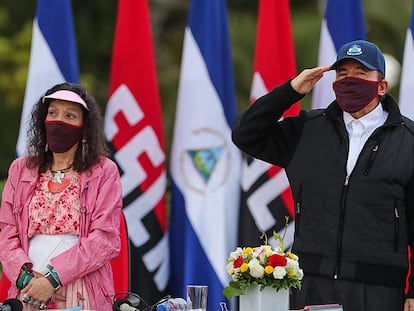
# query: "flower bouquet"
264,266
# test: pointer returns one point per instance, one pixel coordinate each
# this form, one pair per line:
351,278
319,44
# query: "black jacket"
355,227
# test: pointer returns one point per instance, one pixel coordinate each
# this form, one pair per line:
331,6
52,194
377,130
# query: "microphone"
11,305
124,305
130,303
177,304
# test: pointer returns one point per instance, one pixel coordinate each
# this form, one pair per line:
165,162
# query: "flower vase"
266,300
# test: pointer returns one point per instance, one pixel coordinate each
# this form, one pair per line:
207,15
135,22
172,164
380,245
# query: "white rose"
230,268
236,253
268,250
300,274
279,272
293,264
255,269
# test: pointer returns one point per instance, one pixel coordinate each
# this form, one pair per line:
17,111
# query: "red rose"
238,262
276,260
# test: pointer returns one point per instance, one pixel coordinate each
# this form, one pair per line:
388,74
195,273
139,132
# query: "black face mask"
61,136
353,94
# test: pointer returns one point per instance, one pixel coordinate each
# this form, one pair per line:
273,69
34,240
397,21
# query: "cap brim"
67,96
336,64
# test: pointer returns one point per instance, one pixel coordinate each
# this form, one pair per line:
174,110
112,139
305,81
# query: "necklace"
58,175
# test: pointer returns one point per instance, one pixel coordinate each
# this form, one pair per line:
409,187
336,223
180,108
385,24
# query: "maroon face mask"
353,94
61,136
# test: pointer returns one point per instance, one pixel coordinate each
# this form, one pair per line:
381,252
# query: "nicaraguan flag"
407,72
343,22
53,60
205,164
53,57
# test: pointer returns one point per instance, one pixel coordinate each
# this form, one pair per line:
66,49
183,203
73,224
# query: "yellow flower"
268,269
292,256
244,267
247,250
291,272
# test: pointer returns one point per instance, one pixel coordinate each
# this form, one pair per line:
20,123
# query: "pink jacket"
101,204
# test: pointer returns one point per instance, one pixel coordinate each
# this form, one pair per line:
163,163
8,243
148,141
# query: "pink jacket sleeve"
101,203
13,236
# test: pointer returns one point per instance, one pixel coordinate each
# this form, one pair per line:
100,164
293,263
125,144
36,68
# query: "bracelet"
53,279
24,279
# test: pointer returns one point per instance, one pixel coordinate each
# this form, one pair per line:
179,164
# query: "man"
351,170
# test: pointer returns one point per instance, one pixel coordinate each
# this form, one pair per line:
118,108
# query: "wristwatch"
53,280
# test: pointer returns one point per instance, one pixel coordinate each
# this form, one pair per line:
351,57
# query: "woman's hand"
38,292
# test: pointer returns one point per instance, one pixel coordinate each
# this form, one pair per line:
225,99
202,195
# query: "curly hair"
93,140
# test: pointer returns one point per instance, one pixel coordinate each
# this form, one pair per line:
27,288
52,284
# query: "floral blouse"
55,208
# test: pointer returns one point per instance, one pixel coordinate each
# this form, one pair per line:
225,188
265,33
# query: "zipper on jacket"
298,207
396,228
337,269
371,159
346,180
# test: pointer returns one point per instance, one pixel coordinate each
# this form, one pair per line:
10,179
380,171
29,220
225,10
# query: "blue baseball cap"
365,52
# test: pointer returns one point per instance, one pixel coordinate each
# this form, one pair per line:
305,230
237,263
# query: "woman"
60,208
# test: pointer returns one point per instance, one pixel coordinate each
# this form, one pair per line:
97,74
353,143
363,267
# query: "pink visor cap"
68,96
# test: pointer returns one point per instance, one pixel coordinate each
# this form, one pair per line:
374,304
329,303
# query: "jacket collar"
31,175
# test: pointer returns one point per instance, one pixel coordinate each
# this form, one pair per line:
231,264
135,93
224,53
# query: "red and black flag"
266,197
133,128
